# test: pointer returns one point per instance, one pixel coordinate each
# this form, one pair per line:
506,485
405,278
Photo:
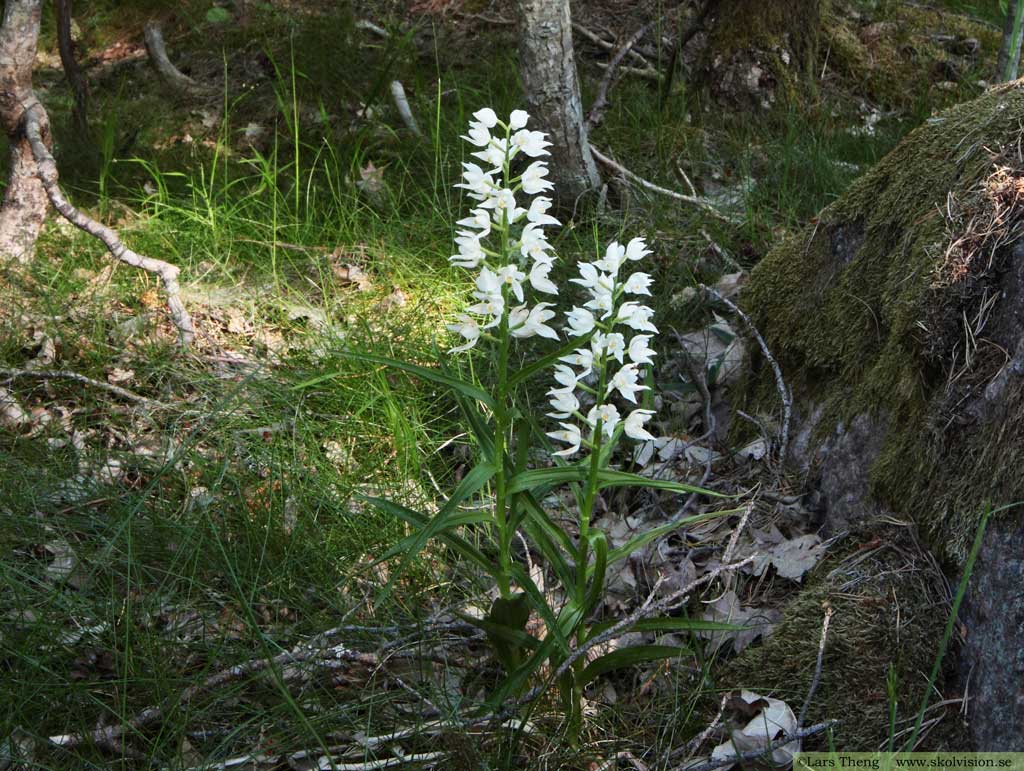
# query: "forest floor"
208,519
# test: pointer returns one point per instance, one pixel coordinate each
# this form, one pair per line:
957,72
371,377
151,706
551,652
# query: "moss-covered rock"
897,318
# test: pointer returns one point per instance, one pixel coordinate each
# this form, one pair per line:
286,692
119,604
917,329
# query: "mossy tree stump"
898,318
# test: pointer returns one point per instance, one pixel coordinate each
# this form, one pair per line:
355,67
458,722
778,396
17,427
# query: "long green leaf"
415,518
644,538
611,478
627,657
459,520
540,604
461,386
548,361
683,624
546,478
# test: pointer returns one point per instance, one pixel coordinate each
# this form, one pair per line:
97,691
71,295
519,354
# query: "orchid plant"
598,368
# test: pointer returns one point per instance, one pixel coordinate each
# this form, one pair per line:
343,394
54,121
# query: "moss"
850,308
793,25
888,611
878,60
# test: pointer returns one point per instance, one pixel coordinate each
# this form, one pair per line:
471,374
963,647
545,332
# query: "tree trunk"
548,70
759,51
79,86
1009,51
25,203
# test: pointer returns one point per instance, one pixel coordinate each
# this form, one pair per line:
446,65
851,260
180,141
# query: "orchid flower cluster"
522,253
612,318
615,324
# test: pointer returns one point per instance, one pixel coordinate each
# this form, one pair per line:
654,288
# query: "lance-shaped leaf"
627,657
433,375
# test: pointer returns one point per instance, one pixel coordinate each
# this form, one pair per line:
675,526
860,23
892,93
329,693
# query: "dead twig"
816,680
701,203
47,166
369,26
600,103
65,374
780,383
402,105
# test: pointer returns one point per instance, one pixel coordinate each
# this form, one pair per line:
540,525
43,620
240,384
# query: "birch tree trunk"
548,69
25,203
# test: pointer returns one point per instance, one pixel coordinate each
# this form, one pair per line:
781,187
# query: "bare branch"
404,111
701,203
168,274
816,680
63,374
164,67
600,103
780,383
369,26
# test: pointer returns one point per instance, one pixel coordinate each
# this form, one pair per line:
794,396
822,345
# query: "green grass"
244,541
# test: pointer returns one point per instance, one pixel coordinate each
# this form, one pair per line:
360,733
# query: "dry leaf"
116,376
773,720
726,609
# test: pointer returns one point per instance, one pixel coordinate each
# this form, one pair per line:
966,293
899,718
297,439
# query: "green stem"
590,493
502,425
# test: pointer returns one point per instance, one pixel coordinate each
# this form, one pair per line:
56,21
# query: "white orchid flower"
614,345
501,200
487,283
608,414
570,435
518,119
537,213
638,283
625,382
471,253
531,143
478,134
539,278
581,357
533,244
533,323
565,377
637,249
478,182
636,316
614,256
479,218
487,117
494,154
492,306
469,328
533,178
597,283
639,351
601,302
513,278
564,404
633,425
581,321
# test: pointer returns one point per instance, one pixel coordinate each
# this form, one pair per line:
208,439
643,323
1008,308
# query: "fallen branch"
701,203
647,73
404,111
600,42
600,103
163,65
47,171
780,383
64,374
369,26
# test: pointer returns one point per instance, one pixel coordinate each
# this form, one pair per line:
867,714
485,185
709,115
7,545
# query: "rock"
901,411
